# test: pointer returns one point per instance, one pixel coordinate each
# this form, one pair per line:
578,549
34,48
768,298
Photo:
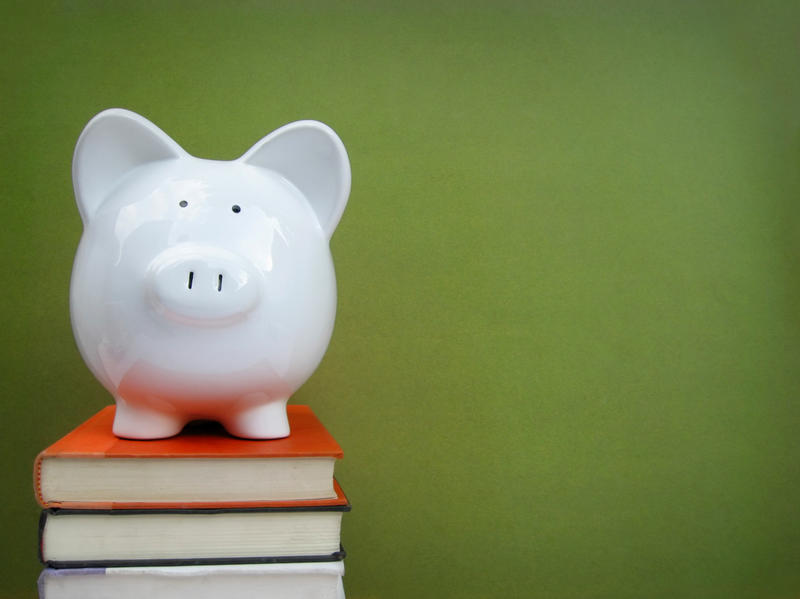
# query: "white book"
280,581
87,538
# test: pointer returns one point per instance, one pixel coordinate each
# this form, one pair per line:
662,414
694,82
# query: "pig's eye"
236,208
183,203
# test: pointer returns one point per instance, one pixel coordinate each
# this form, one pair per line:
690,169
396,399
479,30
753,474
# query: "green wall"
566,362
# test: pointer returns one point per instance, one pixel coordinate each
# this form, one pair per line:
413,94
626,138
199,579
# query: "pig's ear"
312,157
111,145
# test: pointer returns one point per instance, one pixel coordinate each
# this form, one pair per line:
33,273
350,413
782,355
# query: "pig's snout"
201,285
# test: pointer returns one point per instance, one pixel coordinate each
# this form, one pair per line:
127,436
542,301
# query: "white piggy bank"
204,289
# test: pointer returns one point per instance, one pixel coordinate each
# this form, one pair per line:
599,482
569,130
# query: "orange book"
203,467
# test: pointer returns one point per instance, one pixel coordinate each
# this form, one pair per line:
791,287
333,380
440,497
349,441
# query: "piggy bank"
204,289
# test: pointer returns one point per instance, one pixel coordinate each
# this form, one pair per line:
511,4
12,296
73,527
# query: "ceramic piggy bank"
204,289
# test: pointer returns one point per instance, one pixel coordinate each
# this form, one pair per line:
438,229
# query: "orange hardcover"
94,440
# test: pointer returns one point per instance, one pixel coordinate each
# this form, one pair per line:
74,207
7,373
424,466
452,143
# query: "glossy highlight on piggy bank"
204,289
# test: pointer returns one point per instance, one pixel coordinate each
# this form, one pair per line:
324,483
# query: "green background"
567,353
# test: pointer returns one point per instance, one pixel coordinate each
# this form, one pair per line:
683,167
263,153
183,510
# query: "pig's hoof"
137,423
266,421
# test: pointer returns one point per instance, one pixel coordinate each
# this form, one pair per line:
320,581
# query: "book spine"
42,523
37,479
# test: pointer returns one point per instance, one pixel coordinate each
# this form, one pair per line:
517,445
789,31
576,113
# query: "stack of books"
199,515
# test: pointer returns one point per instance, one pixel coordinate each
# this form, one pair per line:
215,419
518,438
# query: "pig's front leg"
136,422
265,420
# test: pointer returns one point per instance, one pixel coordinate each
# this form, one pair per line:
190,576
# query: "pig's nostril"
213,289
